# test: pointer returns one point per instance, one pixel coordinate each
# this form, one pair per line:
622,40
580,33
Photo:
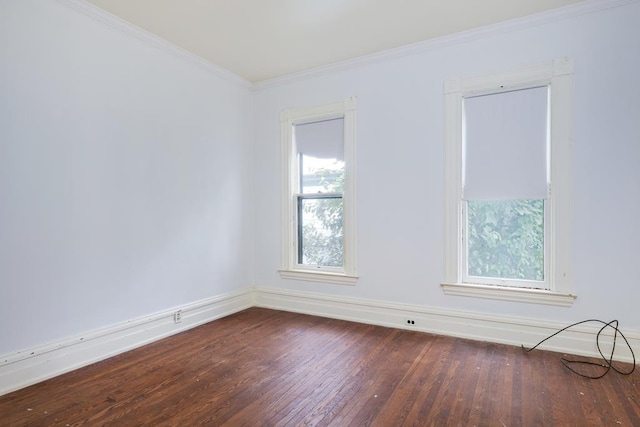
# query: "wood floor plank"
439,361
330,386
398,408
297,385
264,367
346,392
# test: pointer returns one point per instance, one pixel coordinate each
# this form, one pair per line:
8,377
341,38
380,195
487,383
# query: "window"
319,193
508,210
504,187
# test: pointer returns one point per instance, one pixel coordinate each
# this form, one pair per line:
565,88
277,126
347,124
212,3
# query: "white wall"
400,151
127,174
125,177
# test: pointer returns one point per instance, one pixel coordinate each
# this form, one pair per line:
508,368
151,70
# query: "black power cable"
608,363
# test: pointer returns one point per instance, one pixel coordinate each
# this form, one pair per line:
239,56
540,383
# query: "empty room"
296,212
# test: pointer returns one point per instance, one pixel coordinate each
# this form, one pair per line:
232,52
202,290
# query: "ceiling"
263,39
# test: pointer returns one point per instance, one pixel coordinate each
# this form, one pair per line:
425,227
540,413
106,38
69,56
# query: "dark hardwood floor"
270,368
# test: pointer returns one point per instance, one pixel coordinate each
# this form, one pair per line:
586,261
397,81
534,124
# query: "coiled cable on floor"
608,363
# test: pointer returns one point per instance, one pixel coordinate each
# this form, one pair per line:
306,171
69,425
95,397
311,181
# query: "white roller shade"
323,140
505,150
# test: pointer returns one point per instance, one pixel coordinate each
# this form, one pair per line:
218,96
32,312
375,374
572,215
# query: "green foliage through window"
321,215
506,239
322,237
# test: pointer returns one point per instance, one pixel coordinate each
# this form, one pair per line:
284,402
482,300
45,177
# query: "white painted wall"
131,182
400,150
125,177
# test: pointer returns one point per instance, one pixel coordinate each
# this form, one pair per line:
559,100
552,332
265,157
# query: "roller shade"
323,140
505,145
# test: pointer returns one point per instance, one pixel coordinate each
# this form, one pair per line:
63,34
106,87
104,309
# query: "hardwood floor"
263,367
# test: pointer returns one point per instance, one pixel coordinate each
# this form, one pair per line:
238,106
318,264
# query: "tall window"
319,196
505,182
508,224
318,193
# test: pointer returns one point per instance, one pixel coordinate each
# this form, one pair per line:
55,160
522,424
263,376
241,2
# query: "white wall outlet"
410,322
177,316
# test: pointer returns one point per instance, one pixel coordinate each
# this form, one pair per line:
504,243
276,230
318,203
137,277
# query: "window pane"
321,175
320,232
506,239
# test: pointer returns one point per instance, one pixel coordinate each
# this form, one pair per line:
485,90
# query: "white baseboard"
579,340
21,369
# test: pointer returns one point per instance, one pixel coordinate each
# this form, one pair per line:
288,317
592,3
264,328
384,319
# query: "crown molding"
567,12
559,14
151,39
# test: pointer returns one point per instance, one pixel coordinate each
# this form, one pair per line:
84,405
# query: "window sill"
534,296
319,276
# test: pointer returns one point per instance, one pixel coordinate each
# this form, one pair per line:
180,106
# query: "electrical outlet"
410,322
177,316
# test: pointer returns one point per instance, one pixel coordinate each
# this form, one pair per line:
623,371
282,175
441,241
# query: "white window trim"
559,75
290,267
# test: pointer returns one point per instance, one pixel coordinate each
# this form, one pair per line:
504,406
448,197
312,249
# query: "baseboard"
580,340
21,369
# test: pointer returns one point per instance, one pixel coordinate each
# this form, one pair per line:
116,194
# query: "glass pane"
321,175
506,239
320,229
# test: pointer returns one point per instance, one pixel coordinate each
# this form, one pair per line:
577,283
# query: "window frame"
558,76
291,268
